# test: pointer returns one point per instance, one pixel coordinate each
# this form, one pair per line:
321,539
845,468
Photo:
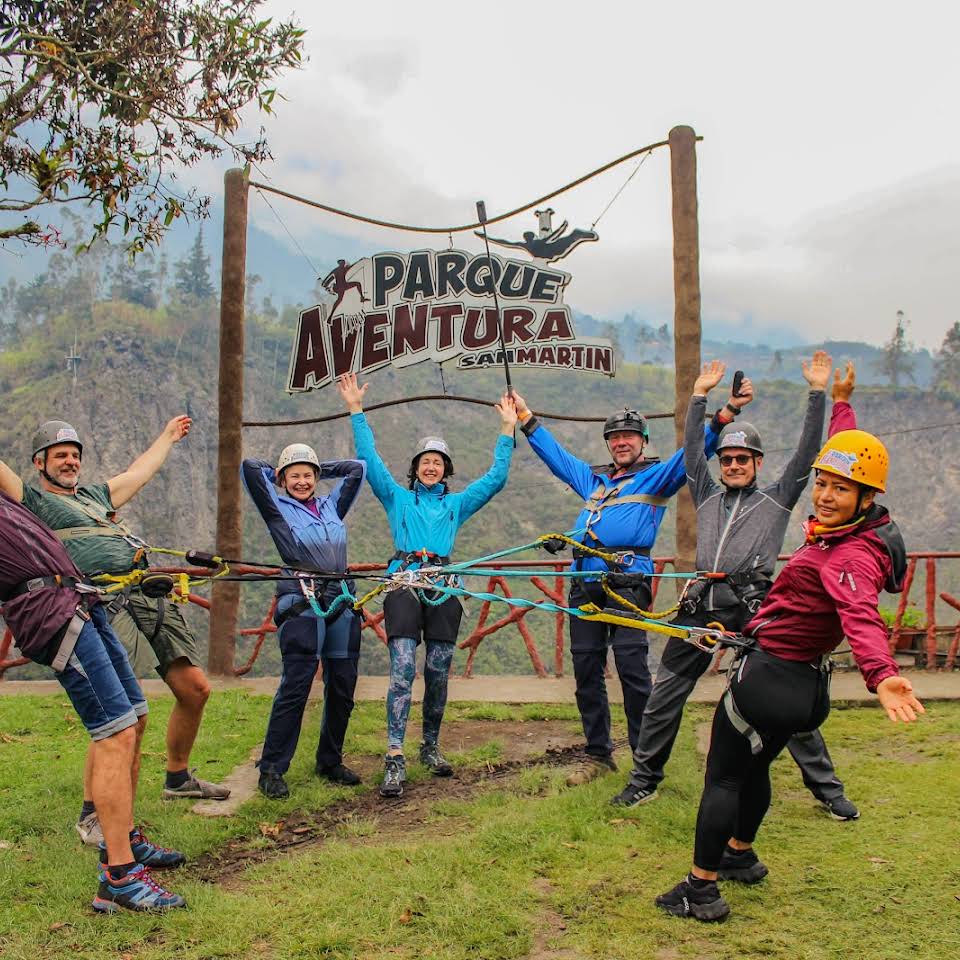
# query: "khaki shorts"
175,639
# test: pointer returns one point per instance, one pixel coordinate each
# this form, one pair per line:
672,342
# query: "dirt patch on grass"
550,927
367,817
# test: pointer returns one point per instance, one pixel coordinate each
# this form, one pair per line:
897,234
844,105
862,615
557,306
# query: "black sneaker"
273,785
633,796
394,774
840,808
340,774
431,757
741,865
702,903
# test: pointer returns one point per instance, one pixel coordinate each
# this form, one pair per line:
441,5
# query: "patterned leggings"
403,668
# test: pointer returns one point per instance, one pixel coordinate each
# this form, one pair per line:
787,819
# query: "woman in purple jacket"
827,591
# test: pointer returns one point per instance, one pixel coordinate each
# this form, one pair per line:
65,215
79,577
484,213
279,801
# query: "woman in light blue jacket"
424,519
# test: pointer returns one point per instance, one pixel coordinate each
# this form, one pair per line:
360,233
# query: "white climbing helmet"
296,453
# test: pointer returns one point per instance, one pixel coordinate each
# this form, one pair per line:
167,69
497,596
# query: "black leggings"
778,698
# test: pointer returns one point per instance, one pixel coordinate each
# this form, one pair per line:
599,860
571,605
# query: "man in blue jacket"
624,504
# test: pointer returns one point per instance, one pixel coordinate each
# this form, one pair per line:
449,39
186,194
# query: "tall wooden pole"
226,596
686,313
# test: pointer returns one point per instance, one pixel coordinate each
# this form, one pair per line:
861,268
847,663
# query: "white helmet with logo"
297,453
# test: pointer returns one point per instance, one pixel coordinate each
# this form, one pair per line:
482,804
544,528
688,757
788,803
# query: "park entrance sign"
396,309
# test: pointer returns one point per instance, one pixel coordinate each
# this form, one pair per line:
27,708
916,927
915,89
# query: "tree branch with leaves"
105,101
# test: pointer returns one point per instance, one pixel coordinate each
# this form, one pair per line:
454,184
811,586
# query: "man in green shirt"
152,630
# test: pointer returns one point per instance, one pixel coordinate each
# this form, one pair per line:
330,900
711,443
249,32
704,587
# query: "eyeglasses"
741,459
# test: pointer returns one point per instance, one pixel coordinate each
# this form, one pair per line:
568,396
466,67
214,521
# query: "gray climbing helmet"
743,436
53,432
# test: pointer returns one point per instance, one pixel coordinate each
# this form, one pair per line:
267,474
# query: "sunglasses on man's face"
741,459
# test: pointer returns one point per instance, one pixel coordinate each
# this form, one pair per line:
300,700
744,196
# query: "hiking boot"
89,829
148,854
431,757
590,769
394,775
272,785
743,866
840,808
632,796
339,773
136,891
193,788
702,903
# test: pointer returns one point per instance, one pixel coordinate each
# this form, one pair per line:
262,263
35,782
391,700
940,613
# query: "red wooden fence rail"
901,638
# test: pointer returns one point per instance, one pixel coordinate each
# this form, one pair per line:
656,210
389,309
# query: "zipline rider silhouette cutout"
550,245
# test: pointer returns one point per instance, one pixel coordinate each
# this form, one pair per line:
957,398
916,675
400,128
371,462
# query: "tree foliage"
946,369
193,273
104,100
896,362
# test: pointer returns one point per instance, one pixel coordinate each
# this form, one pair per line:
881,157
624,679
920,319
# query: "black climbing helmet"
744,436
626,420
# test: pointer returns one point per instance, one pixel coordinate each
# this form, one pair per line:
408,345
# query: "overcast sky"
829,173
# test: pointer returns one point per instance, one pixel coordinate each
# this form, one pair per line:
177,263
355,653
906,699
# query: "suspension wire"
435,396
303,253
613,199
411,228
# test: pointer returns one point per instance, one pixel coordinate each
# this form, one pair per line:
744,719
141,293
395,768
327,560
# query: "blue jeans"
305,641
99,681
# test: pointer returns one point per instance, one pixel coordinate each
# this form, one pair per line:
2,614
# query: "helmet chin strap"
56,483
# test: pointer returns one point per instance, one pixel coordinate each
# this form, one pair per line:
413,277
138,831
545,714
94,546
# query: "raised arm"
672,474
124,486
484,488
796,473
843,416
381,482
259,479
10,483
701,484
574,472
350,473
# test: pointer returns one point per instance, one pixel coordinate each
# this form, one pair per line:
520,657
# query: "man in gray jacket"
740,530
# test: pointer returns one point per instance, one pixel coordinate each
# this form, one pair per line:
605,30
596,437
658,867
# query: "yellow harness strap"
590,611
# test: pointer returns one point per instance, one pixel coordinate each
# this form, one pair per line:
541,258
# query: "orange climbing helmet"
856,455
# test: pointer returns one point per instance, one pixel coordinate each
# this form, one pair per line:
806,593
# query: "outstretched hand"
896,697
351,392
711,373
817,370
842,389
177,428
507,408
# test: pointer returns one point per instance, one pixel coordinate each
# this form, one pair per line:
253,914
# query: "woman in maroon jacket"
827,591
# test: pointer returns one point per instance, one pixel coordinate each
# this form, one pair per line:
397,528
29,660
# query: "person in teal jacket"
424,520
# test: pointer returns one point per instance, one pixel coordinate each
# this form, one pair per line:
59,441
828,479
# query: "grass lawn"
522,867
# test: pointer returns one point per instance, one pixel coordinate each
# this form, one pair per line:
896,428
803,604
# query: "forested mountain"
146,338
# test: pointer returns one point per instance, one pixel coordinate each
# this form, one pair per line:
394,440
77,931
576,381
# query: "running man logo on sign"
400,309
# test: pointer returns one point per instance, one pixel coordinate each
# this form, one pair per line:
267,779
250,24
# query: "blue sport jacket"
302,538
617,518
427,518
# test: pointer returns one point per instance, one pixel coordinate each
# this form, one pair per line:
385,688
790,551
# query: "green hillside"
143,362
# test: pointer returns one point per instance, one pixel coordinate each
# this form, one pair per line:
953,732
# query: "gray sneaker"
193,788
433,759
89,829
840,808
394,775
632,796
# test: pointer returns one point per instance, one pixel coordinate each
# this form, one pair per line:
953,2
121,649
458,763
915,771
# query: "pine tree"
192,273
895,362
946,368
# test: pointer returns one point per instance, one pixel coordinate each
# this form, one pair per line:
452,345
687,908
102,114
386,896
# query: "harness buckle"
707,639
